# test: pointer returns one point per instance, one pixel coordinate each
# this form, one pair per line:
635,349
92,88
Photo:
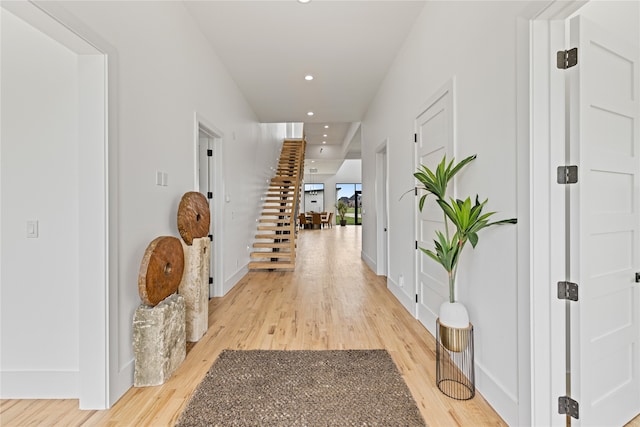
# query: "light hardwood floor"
331,301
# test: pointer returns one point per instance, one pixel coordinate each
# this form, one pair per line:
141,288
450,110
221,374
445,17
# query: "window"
351,194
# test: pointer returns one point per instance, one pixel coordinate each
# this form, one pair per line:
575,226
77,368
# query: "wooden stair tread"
267,245
274,237
275,214
271,265
273,228
271,254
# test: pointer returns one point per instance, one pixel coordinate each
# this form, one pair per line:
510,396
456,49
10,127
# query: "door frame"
102,380
382,208
543,108
217,207
428,316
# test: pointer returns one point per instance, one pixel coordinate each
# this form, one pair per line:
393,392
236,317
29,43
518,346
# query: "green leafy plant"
465,216
342,208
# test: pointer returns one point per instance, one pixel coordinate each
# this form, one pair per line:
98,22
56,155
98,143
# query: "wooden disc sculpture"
161,270
193,217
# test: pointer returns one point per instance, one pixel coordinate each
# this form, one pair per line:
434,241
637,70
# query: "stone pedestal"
194,287
159,343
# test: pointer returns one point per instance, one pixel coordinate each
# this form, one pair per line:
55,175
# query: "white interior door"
434,139
205,186
605,226
384,212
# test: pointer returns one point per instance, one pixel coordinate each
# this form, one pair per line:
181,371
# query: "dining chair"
327,221
316,221
302,221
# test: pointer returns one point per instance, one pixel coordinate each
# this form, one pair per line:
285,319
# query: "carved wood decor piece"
193,217
161,270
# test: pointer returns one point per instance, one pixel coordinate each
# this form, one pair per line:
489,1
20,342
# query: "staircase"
275,246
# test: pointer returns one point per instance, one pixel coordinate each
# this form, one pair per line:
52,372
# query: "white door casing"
205,186
434,128
604,226
382,208
208,177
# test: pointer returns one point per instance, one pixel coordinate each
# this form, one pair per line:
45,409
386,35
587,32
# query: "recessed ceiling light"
326,126
310,113
304,1
313,161
324,136
324,142
308,77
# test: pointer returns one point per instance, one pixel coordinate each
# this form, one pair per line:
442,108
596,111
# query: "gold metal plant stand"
455,373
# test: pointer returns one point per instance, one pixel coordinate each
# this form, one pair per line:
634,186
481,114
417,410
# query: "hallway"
331,301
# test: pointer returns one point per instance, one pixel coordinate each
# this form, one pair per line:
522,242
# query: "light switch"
32,229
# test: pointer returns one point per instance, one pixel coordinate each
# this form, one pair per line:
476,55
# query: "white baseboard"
504,402
121,381
39,385
234,279
428,319
371,263
407,302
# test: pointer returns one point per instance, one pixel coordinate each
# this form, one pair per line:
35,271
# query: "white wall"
39,287
475,43
166,73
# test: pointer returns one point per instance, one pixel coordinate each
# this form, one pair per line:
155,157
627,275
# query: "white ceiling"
269,46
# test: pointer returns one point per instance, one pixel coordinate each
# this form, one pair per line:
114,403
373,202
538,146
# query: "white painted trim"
96,214
218,191
382,188
93,221
447,88
101,357
547,214
407,302
523,231
234,279
504,402
40,384
371,263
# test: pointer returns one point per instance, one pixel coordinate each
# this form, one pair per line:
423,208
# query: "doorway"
434,136
382,209
357,208
208,181
594,339
70,231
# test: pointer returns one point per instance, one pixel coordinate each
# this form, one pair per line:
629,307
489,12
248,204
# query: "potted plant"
342,207
466,219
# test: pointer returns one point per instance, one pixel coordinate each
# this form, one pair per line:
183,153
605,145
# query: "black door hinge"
568,291
416,297
210,280
211,237
209,195
210,153
567,58
415,137
416,245
567,174
568,406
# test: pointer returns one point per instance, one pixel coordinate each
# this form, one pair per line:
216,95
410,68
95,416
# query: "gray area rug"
302,388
